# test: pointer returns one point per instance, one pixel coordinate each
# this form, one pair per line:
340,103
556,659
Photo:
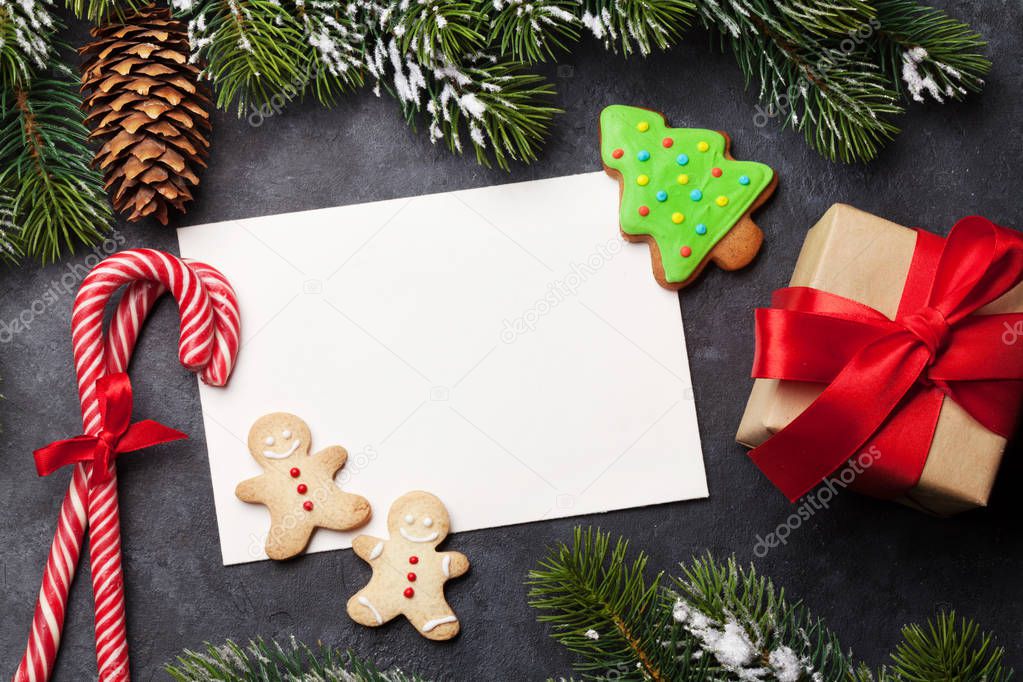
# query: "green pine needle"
100,11
534,31
253,51
262,661
941,56
602,608
56,201
948,650
637,25
439,28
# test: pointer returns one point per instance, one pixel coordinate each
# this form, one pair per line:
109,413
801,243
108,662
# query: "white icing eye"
269,440
286,434
427,522
409,518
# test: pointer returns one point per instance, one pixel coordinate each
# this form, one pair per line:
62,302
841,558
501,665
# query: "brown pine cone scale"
143,101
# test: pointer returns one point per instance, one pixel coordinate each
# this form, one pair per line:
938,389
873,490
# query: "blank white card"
500,347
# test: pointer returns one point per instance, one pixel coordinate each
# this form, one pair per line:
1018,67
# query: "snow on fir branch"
718,621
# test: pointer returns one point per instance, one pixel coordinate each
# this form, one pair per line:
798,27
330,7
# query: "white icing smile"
412,538
270,454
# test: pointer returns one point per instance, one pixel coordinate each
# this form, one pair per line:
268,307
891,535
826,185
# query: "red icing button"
302,488
295,473
413,559
667,142
411,577
307,505
716,172
618,153
686,251
409,592
644,211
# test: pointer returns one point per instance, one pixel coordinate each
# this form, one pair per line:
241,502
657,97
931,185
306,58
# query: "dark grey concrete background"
867,567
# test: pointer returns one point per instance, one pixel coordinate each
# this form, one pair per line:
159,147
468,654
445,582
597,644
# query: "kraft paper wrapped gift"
857,255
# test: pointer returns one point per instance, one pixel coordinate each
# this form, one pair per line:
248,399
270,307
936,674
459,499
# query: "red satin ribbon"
117,434
886,379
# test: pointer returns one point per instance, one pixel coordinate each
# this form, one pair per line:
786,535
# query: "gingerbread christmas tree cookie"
297,487
682,193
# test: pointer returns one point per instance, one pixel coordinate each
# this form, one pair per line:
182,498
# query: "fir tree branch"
58,200
752,631
101,11
334,43
252,50
533,30
435,29
601,607
925,52
637,25
262,661
26,31
948,650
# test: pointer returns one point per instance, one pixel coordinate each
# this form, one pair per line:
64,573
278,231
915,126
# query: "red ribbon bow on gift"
117,434
887,379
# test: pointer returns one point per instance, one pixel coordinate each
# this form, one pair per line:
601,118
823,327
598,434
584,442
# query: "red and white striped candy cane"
209,344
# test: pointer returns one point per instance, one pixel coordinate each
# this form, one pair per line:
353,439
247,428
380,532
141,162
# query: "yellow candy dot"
642,126
642,180
721,201
677,218
683,179
702,146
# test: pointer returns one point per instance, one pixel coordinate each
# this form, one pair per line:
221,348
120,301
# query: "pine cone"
146,106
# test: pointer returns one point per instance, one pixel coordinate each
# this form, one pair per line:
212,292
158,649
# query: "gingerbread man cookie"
408,571
297,488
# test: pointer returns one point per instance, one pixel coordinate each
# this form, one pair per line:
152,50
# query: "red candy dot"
644,211
307,505
685,251
413,559
618,153
667,142
411,577
302,488
716,172
409,592
295,473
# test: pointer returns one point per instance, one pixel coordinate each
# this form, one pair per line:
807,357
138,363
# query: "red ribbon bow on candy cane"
117,434
886,379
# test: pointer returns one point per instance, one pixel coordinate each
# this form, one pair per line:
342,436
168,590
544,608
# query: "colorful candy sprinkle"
643,155
681,159
677,218
702,146
642,180
743,179
307,505
409,592
667,142
716,172
685,252
618,153
696,195
701,229
721,201
683,179
642,126
662,196
644,211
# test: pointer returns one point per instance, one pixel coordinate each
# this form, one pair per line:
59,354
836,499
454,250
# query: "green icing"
620,129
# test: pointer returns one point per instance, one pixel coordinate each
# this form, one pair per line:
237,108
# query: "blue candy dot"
643,155
701,229
743,179
696,195
681,159
662,196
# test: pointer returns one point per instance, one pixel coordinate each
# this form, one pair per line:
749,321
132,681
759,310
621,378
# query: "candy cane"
209,343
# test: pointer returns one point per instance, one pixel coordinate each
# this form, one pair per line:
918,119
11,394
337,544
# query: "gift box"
857,256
